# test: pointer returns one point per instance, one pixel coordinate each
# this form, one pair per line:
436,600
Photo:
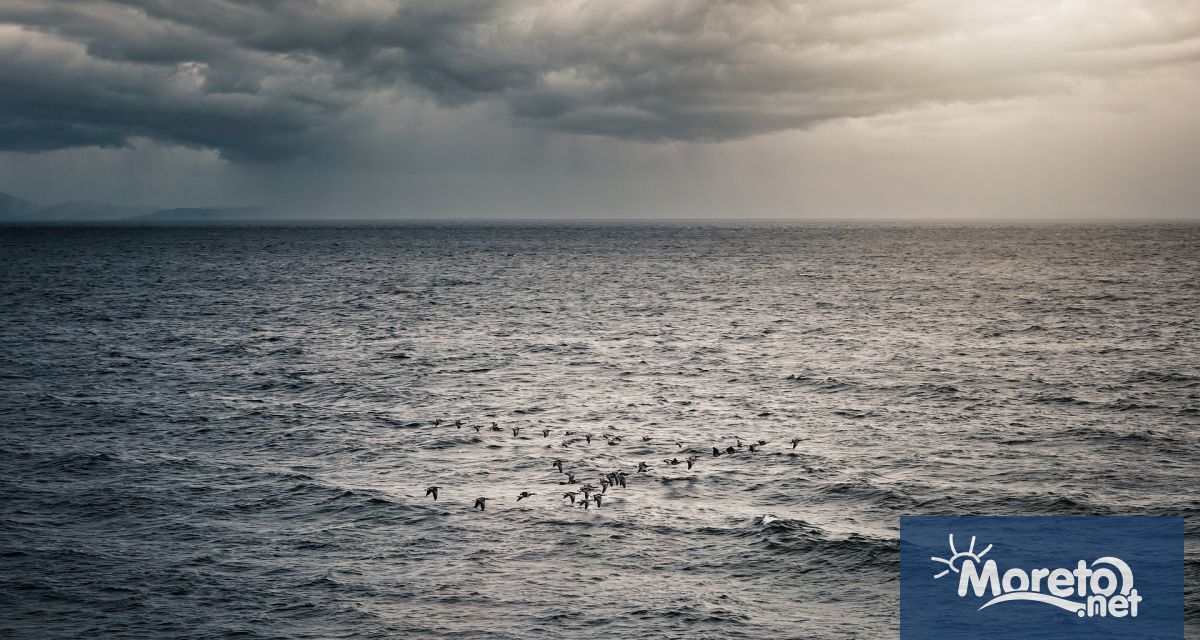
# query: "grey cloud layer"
266,79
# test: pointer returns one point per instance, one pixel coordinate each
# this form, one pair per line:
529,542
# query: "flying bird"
431,491
480,502
523,495
795,441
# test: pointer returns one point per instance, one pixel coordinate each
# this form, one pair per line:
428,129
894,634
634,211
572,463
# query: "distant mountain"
14,207
87,211
217,214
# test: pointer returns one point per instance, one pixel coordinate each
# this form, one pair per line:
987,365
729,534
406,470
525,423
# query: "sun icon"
956,557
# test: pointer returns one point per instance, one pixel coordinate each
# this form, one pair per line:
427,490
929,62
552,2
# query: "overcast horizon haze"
824,110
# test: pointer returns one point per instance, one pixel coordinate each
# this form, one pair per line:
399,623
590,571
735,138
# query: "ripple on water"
215,432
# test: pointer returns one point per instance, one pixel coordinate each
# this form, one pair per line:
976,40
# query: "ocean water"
214,432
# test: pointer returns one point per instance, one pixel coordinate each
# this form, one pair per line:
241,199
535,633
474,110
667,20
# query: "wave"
1127,404
1165,377
827,384
865,493
1054,398
850,553
1117,438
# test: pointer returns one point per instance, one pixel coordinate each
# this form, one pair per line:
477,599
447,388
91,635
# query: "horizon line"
663,220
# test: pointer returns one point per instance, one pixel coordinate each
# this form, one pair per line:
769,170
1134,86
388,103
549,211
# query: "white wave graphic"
1061,603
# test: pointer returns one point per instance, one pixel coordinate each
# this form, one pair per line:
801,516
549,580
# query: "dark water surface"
227,431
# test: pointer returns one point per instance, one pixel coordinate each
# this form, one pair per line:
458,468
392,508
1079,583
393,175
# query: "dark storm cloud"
269,79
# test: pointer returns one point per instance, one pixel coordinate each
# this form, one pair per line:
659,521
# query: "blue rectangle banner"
1041,577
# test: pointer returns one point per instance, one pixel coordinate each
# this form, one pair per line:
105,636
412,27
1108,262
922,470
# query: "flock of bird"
618,478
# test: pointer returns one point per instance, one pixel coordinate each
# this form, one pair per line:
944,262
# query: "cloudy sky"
1082,109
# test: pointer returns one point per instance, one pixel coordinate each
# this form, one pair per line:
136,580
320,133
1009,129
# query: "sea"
228,431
